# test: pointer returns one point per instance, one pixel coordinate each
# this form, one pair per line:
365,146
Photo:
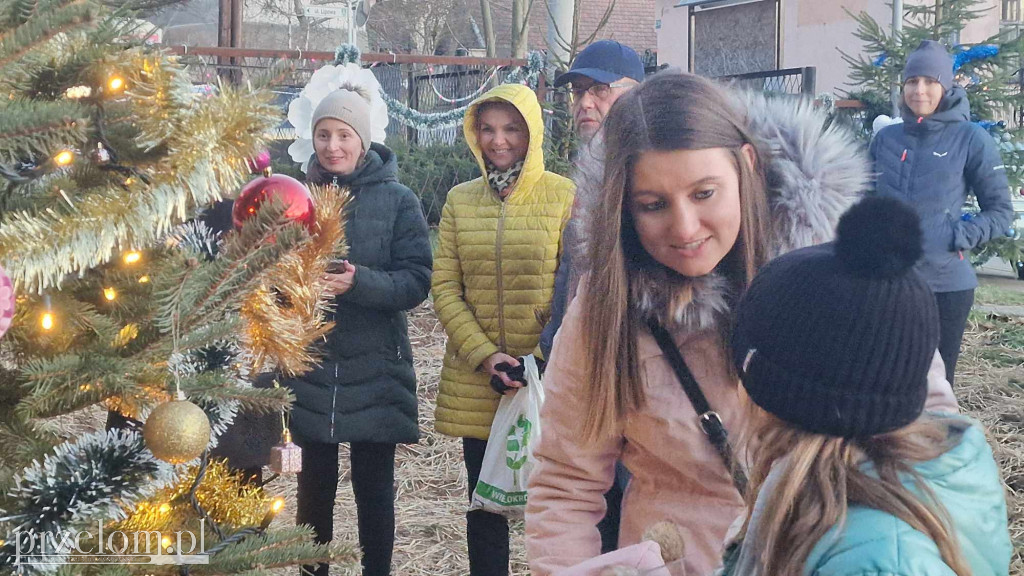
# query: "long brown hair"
668,112
822,475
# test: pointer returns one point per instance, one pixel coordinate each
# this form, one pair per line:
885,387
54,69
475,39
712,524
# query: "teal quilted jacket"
874,543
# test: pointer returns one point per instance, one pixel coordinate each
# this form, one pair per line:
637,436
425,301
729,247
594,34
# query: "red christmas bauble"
293,194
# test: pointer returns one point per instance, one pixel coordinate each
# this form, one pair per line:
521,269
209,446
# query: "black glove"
498,385
514,373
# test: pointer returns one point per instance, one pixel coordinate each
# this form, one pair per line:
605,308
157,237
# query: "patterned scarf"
502,180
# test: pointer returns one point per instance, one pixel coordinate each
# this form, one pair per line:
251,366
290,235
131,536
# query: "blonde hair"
822,475
667,112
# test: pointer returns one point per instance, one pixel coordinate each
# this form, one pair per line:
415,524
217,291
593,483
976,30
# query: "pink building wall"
814,32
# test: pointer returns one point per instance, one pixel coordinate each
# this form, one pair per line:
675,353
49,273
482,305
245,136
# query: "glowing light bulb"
277,505
115,84
47,321
164,508
64,158
109,293
143,279
132,257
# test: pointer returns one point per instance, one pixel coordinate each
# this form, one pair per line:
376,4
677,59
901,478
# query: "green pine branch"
38,130
15,13
202,164
201,292
42,248
21,442
260,555
70,382
29,41
922,23
251,400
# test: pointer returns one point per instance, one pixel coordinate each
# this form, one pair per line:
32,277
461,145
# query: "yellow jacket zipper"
501,295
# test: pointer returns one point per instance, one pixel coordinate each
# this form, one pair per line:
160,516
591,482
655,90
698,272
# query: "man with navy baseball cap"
600,74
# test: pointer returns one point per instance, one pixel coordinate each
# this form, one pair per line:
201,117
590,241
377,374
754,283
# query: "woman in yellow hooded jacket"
493,280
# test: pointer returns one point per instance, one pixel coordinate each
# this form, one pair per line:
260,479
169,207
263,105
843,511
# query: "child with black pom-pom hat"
848,473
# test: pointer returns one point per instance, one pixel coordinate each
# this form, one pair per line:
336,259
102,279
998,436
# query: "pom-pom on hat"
837,339
349,104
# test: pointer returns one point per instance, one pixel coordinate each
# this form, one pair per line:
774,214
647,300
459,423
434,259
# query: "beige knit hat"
349,104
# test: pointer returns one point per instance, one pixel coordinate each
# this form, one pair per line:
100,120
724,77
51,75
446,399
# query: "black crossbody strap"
710,421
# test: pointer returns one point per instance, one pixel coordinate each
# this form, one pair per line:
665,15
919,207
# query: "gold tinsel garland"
223,495
287,313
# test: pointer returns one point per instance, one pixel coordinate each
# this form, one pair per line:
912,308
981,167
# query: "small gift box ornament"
286,457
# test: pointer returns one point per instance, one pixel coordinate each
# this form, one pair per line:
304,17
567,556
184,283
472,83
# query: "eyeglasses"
598,90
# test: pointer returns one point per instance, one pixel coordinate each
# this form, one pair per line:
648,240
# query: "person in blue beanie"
933,160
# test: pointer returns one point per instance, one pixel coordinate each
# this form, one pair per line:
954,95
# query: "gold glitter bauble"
177,431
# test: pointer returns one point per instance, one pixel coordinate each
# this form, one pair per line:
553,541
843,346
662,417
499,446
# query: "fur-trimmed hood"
814,172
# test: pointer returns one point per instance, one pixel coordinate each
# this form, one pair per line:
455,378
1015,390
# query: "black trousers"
608,527
486,532
954,308
373,482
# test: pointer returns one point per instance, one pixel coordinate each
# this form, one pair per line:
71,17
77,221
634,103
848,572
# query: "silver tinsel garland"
96,478
347,53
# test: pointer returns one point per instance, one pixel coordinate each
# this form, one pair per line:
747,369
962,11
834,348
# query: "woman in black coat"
364,391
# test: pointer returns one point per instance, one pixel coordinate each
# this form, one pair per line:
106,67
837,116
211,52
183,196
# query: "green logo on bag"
516,443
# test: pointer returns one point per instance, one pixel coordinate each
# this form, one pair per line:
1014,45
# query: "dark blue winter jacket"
932,163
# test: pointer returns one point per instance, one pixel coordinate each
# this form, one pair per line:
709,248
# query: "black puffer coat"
365,388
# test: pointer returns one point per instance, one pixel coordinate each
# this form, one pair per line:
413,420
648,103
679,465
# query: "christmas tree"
115,294
989,71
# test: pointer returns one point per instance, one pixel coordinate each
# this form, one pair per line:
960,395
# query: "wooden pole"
236,39
223,35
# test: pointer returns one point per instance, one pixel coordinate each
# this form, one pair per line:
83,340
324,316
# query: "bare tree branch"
573,44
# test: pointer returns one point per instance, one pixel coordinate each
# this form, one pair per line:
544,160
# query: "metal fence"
439,89
428,84
796,81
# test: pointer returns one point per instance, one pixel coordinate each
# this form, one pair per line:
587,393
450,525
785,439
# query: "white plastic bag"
508,459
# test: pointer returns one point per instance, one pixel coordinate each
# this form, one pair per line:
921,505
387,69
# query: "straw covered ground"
990,387
431,479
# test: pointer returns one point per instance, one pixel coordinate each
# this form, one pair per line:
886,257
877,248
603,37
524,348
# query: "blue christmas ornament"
967,216
880,59
980,52
992,126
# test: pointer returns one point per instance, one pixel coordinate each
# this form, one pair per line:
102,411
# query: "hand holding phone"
336,266
340,277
